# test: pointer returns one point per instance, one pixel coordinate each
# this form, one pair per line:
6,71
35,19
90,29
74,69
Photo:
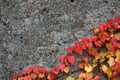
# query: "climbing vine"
103,51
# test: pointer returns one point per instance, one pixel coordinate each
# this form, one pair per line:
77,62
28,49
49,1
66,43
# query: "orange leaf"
41,75
92,51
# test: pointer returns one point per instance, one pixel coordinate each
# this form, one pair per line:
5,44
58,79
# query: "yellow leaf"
70,78
66,70
104,68
117,53
107,70
111,61
88,68
80,79
117,36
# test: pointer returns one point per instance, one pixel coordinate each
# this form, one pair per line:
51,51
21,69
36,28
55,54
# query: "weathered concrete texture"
36,32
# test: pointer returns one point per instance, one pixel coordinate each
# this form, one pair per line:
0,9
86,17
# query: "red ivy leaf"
56,70
97,78
77,44
78,51
22,73
81,65
114,42
103,36
36,69
27,78
95,38
115,74
29,70
14,76
61,67
70,49
98,43
109,23
117,19
63,57
84,59
71,59
89,45
102,27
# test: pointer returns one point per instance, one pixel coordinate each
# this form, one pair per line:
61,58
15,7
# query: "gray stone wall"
36,32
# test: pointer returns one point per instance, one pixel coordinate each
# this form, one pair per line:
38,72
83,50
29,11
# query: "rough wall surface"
36,32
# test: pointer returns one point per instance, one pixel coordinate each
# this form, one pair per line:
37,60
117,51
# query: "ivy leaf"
104,68
111,61
81,65
56,70
92,51
85,76
103,36
27,78
61,67
98,43
95,38
14,76
89,45
97,78
95,30
71,59
83,46
115,74
117,36
70,49
29,70
88,68
102,60
117,19
20,78
109,46
36,69
117,53
95,64
70,78
84,59
41,75
107,70
114,42
102,27
66,70
63,57
82,76
32,75
78,51
77,44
